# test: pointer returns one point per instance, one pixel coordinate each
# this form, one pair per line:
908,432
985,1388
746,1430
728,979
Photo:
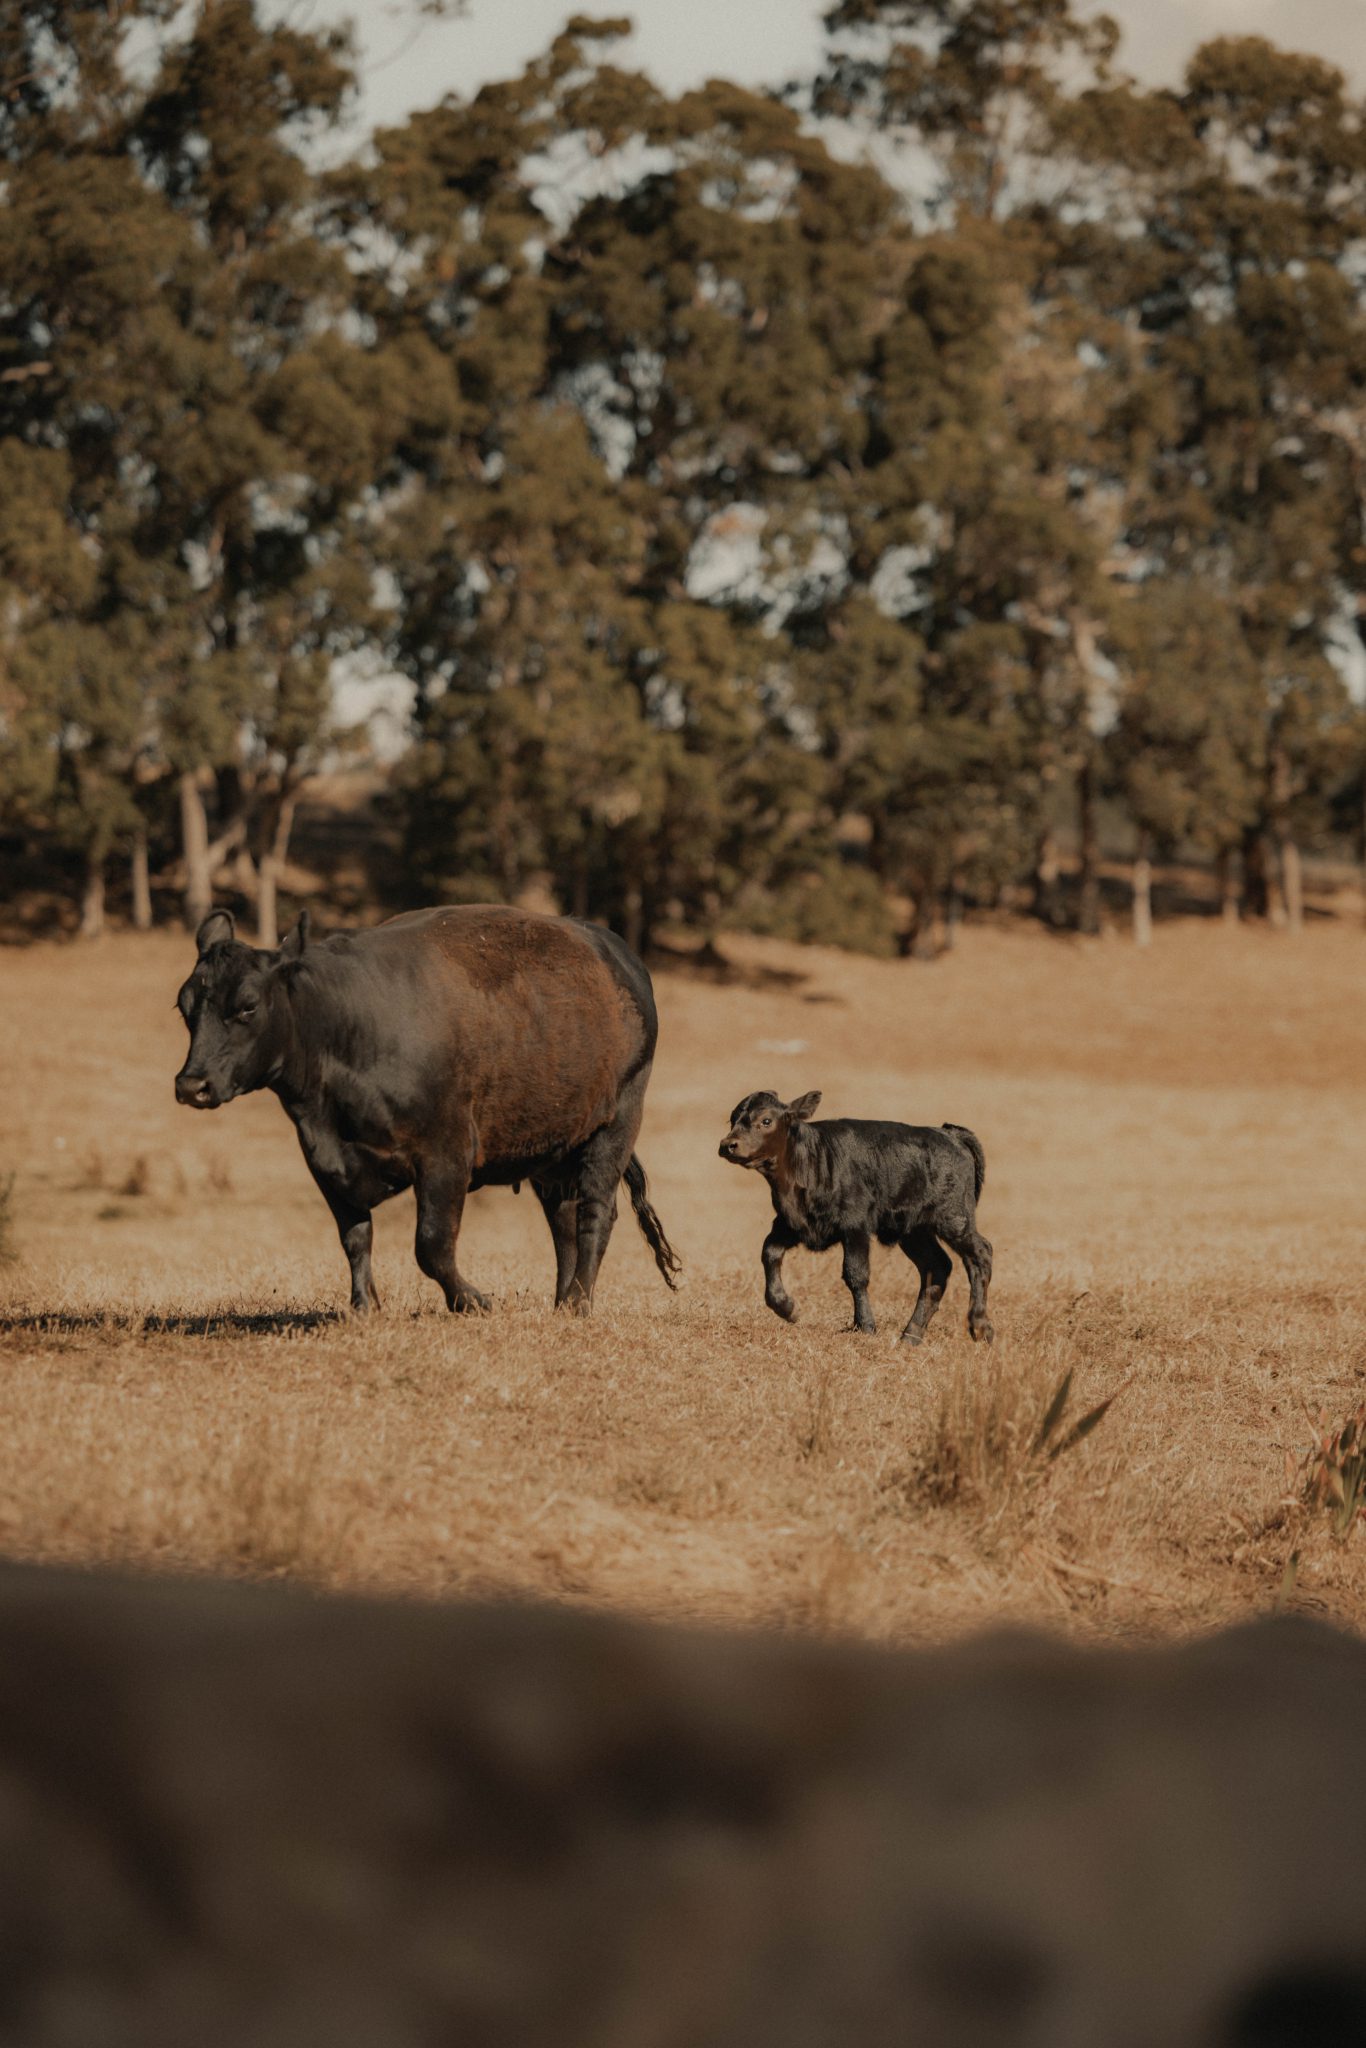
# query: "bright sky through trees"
761,41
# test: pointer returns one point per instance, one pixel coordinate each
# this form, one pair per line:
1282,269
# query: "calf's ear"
293,943
218,927
805,1106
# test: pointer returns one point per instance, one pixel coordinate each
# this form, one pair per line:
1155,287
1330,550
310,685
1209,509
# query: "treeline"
787,509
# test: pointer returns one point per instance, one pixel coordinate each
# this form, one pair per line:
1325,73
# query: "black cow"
442,1050
846,1182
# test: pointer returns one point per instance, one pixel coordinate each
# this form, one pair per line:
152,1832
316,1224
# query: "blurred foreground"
251,1816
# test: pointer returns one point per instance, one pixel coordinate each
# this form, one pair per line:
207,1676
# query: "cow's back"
541,1020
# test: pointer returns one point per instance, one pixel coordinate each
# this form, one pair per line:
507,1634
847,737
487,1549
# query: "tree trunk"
1292,884
1143,895
1088,907
194,839
1256,883
953,912
268,872
1046,880
1279,905
633,918
1228,886
92,895
141,882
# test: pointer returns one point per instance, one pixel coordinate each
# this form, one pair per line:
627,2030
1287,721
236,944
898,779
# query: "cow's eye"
767,1123
241,1016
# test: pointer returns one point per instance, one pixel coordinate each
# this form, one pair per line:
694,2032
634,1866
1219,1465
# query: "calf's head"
761,1125
234,1004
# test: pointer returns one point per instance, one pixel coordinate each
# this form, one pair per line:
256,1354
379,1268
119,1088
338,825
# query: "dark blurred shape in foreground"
232,1815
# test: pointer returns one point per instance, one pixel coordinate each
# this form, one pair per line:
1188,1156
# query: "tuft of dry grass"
1176,1157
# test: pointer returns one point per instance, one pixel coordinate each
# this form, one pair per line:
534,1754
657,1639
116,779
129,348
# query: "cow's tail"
971,1143
652,1230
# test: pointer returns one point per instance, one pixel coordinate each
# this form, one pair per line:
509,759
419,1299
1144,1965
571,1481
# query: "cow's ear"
804,1107
218,927
293,943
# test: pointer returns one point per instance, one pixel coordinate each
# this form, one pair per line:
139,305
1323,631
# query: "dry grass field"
1176,1192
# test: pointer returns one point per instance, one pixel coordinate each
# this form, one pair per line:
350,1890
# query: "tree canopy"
791,508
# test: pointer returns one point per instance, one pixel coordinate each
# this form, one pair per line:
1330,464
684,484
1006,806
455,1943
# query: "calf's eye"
241,1016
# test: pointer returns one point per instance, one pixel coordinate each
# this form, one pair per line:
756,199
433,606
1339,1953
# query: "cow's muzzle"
196,1091
728,1149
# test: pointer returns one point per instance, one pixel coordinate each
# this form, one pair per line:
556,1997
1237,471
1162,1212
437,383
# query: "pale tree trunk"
141,882
1292,885
1228,886
268,872
1286,907
1088,907
92,895
194,839
1046,879
1143,895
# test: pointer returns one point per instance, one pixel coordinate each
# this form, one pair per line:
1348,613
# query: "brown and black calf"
847,1181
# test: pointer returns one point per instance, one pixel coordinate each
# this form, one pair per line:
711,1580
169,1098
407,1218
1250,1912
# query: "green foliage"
756,553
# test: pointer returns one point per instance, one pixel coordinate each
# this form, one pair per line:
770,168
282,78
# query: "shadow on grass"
708,963
213,1323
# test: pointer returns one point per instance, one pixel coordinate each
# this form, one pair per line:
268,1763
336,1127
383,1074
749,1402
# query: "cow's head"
235,1006
761,1125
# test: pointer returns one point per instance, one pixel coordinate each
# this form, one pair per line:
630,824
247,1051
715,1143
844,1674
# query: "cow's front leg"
776,1246
440,1205
856,1269
356,1232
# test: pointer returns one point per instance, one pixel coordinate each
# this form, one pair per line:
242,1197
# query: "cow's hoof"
470,1302
786,1309
863,1329
912,1337
982,1331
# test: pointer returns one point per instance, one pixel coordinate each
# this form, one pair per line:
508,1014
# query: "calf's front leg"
441,1196
776,1245
856,1280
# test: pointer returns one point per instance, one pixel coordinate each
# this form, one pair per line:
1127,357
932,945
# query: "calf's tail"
652,1230
971,1143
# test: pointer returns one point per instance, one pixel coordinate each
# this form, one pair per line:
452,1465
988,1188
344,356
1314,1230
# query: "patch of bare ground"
1176,1183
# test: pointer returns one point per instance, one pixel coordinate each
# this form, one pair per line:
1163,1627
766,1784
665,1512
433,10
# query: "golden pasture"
1176,1192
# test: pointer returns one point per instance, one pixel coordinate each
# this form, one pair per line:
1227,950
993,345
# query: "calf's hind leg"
856,1280
926,1253
973,1249
440,1205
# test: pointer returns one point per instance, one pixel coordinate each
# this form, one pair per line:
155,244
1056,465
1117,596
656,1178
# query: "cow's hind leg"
356,1232
856,1270
602,1163
562,1214
440,1206
925,1252
973,1249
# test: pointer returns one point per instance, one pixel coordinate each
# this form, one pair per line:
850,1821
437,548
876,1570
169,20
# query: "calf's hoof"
982,1330
470,1302
786,1309
910,1335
